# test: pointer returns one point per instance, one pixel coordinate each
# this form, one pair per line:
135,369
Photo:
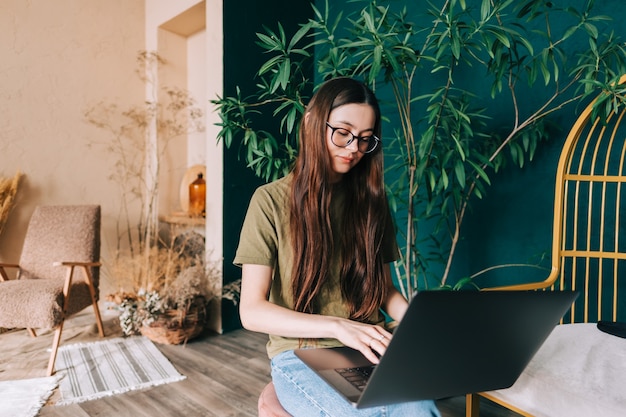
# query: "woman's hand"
370,340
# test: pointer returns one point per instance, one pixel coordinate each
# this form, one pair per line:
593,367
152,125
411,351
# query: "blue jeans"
303,393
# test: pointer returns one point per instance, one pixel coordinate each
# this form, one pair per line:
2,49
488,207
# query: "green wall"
511,225
242,58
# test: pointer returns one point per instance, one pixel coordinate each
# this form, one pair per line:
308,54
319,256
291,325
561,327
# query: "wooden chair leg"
57,334
472,405
55,347
66,295
98,319
94,300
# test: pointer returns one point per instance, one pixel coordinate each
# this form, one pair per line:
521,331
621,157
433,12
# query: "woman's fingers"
379,335
376,339
370,340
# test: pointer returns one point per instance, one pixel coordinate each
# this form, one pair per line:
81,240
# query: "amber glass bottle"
197,197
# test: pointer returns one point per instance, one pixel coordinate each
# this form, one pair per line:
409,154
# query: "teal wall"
512,224
242,58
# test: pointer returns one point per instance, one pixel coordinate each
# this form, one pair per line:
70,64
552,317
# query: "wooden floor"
224,376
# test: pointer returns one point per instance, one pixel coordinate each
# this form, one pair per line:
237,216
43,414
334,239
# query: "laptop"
449,343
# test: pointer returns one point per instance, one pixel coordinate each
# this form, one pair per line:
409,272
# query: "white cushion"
579,371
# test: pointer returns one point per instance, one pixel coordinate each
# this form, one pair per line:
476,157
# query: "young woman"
315,249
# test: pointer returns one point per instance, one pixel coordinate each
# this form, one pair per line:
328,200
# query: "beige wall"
59,58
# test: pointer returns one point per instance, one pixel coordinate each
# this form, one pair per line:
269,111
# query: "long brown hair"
362,277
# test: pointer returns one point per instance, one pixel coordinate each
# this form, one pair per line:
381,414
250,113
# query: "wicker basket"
177,326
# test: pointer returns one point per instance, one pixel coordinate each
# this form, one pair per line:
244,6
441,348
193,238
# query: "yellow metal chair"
57,273
588,255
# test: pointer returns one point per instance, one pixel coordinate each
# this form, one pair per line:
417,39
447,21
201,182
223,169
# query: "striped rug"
109,367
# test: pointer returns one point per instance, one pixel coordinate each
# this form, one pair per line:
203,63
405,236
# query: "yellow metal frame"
581,202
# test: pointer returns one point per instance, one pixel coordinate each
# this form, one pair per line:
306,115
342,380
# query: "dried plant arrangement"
8,191
176,311
155,276
138,142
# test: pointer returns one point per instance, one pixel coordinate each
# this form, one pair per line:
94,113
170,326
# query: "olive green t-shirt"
265,240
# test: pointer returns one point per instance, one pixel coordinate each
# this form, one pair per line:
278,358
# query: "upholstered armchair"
57,274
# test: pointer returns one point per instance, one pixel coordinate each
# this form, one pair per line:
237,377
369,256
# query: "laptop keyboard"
358,377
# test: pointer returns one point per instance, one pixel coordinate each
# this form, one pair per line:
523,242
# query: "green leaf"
270,64
501,36
377,61
480,172
455,46
591,30
485,10
284,72
297,37
269,42
459,170
570,31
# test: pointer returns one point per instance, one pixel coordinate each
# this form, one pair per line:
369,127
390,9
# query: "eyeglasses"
343,138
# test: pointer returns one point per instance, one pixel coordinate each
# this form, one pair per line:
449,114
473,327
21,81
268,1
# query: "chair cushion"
269,406
579,371
38,303
60,234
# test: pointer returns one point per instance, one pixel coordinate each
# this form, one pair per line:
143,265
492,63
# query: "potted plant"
444,151
173,313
